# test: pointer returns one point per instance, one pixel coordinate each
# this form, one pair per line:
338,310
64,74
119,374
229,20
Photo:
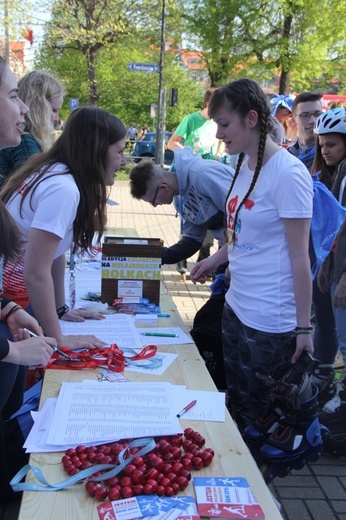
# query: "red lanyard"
112,357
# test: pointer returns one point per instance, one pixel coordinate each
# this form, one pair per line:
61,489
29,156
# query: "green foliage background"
300,40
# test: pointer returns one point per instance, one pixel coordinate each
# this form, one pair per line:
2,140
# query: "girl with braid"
268,208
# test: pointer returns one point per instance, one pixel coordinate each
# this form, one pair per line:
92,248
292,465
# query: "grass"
124,172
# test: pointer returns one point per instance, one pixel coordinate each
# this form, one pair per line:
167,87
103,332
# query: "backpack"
327,218
207,334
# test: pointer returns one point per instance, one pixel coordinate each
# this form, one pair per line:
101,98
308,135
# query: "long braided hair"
241,96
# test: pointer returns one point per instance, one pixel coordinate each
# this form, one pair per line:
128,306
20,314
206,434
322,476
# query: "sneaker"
182,267
333,404
323,377
335,441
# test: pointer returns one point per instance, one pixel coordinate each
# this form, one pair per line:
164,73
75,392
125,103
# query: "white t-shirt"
261,291
52,207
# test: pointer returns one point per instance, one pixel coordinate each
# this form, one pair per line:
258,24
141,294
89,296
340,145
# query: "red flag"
28,34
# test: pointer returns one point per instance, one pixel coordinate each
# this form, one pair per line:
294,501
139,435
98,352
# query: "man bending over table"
198,188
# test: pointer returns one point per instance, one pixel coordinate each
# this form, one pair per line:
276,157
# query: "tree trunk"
93,87
285,81
285,78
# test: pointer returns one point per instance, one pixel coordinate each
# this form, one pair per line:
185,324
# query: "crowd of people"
53,199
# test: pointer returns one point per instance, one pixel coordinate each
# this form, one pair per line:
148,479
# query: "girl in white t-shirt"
269,207
58,198
17,349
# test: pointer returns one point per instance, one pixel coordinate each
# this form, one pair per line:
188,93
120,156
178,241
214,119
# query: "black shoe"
335,441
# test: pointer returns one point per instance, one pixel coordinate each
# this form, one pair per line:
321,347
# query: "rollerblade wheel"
267,473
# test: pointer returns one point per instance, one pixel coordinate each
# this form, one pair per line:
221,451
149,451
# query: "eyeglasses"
306,116
154,199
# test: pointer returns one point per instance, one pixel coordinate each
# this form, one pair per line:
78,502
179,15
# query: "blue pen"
163,315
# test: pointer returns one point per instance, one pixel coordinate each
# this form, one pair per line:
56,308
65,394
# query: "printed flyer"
225,498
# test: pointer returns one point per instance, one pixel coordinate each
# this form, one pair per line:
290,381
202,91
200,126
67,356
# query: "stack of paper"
92,413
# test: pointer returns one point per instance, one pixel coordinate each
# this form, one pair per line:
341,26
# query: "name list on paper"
107,412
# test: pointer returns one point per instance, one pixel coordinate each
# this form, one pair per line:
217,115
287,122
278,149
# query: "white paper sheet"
115,328
210,406
108,412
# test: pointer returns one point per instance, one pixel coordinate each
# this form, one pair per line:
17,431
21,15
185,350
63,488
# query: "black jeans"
247,351
325,338
12,457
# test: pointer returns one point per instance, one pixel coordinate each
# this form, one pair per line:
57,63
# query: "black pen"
58,351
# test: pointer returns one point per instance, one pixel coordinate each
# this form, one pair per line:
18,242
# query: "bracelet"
62,311
11,311
302,330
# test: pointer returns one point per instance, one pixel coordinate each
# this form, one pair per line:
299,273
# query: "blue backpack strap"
30,402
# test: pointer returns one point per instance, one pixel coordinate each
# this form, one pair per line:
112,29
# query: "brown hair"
10,238
304,97
241,96
83,149
320,165
207,95
140,176
2,68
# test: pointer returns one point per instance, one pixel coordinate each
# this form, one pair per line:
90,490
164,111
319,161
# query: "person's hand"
30,351
201,271
323,282
303,342
339,297
81,341
81,315
21,319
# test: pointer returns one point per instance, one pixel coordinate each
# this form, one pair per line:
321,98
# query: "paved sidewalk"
318,491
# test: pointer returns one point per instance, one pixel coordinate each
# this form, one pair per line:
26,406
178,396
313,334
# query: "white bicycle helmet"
332,121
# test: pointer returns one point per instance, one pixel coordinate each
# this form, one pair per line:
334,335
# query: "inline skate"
288,436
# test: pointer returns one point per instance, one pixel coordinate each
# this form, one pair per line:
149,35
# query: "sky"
20,20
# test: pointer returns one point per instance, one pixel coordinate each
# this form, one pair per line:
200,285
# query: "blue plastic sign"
73,103
142,67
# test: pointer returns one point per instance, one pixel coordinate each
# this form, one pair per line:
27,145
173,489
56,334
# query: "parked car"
146,146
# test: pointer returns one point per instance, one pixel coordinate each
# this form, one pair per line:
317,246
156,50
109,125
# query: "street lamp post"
161,109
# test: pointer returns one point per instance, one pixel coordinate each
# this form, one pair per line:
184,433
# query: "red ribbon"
112,357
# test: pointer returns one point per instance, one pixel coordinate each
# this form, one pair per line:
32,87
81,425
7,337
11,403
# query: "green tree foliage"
300,41
88,26
294,39
92,26
213,27
126,94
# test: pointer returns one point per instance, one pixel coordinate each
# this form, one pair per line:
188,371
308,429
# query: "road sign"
142,67
73,103
153,110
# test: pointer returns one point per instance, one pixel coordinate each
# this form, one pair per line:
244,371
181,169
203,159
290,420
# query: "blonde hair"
36,89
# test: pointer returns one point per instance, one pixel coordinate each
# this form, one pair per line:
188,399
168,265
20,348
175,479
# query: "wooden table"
232,457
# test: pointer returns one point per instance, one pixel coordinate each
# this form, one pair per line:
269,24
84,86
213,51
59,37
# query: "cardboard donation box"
131,267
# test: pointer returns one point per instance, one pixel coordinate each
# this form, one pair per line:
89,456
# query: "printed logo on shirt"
25,185
231,210
196,207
